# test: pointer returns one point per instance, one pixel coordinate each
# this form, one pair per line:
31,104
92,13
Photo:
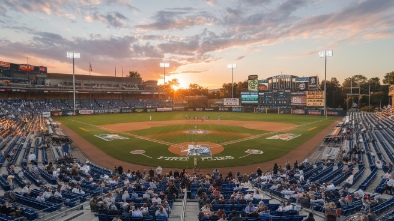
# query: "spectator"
310,217
32,158
116,218
136,212
389,186
159,171
251,210
161,212
40,198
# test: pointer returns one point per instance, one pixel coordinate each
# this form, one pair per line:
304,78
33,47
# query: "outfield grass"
87,127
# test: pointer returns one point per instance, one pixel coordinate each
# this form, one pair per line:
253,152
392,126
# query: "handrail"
184,203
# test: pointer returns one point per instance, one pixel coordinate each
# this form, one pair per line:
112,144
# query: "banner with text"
231,101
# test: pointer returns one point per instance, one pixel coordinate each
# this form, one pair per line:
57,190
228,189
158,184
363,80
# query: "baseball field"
188,139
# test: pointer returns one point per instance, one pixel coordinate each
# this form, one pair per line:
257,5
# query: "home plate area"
196,149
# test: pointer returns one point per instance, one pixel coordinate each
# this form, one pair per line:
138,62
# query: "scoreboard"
315,98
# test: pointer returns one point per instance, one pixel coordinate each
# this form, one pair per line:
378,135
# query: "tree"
354,81
134,74
389,78
197,90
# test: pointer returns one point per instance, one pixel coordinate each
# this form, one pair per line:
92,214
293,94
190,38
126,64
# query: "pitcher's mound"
181,148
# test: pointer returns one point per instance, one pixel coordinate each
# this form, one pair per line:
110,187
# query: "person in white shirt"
248,196
379,164
289,207
159,171
32,157
125,195
350,179
136,213
330,186
47,194
26,190
288,193
40,198
57,194
257,195
156,199
390,186
282,207
360,192
161,212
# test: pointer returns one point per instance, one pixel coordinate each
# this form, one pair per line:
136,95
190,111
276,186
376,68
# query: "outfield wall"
330,112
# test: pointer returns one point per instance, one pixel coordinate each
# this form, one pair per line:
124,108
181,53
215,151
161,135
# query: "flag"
90,67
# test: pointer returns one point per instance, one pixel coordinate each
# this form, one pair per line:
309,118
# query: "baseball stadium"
77,147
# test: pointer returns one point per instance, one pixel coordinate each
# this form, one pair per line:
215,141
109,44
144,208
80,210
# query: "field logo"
111,137
253,151
137,152
286,137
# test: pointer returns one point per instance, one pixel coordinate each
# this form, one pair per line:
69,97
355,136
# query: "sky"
199,38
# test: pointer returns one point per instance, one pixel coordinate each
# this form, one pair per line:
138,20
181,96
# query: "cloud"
115,19
240,58
178,18
356,20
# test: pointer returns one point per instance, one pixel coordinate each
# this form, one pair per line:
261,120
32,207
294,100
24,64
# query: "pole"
74,84
115,76
325,85
369,96
164,74
232,82
90,83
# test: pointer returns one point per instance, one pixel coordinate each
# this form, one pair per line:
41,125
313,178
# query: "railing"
62,213
184,204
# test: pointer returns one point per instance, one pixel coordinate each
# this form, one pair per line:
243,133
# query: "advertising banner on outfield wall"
227,109
139,110
236,109
298,111
178,108
85,112
46,114
314,112
114,110
100,111
56,113
68,113
126,110
336,112
150,109
199,109
231,101
164,109
210,108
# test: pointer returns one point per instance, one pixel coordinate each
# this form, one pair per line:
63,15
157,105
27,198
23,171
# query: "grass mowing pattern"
120,149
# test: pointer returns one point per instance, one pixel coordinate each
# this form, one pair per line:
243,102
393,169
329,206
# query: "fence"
184,204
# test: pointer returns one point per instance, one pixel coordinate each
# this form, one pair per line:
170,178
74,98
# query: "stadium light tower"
232,66
73,55
164,65
325,54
